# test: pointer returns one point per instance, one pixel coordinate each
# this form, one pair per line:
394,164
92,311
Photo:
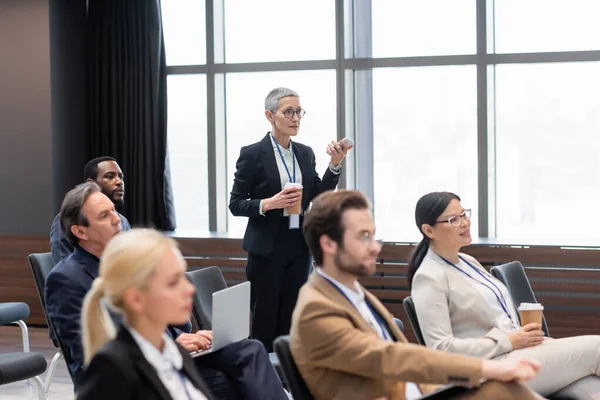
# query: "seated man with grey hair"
240,370
274,183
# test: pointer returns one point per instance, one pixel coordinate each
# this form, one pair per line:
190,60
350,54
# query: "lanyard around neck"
386,334
501,300
292,179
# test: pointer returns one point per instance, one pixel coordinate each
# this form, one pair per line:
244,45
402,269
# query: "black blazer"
257,177
66,287
119,371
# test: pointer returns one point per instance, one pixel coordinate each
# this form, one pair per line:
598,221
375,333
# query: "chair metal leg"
51,370
25,334
39,385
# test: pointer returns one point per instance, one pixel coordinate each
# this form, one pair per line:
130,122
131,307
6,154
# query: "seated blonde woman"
463,309
142,276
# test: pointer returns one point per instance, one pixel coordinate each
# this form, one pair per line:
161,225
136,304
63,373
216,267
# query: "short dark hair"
91,168
72,206
325,218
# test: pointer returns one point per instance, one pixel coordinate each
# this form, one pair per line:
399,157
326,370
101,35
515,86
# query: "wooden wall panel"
572,294
16,280
565,280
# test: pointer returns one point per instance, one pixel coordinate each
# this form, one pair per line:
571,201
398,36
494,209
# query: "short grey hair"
72,206
272,100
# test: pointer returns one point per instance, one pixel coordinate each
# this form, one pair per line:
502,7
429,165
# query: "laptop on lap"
230,317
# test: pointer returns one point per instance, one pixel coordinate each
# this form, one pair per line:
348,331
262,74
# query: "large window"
246,121
276,30
184,31
423,28
187,150
548,146
430,108
425,139
546,25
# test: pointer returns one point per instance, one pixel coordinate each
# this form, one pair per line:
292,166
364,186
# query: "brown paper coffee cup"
531,313
297,208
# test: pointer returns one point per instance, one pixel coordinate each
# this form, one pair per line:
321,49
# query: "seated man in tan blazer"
344,341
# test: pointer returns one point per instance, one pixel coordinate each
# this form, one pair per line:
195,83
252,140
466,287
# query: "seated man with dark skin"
108,175
241,370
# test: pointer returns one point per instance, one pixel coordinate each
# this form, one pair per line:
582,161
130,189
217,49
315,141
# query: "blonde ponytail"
128,261
96,323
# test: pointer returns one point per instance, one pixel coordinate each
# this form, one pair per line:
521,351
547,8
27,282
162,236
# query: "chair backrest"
514,278
41,264
290,371
207,281
409,307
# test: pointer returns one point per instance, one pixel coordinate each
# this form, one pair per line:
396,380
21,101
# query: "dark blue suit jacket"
257,177
61,247
66,287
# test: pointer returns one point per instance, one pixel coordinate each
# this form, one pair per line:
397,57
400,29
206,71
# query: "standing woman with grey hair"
266,186
142,276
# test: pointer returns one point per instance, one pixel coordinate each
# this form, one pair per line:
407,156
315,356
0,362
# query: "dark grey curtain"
128,104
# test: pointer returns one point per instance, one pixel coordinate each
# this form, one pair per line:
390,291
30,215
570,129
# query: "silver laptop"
230,317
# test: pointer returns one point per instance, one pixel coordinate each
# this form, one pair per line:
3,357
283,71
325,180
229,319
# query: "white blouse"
168,365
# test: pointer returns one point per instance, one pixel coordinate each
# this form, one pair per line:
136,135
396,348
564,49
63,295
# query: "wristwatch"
335,168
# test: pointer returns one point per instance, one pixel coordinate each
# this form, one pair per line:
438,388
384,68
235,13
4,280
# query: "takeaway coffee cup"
531,312
295,209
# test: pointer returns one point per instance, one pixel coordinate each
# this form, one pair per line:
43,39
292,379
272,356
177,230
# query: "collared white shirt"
358,300
289,161
167,365
502,320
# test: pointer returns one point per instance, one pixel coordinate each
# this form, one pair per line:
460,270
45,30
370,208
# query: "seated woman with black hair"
463,309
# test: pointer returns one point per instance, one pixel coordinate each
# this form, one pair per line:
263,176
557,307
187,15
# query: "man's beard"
351,267
116,202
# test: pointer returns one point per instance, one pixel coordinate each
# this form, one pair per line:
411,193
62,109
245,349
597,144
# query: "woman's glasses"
457,220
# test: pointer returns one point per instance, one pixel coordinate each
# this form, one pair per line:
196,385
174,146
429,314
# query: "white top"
283,175
502,321
358,300
167,365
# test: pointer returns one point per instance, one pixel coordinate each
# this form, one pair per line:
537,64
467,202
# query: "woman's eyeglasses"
457,220
289,113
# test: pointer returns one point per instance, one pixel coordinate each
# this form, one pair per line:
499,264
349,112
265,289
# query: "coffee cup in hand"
531,313
294,209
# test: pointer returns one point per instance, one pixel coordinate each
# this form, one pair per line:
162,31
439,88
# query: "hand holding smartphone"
348,143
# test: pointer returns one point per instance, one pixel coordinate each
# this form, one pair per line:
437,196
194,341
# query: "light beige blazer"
340,356
453,314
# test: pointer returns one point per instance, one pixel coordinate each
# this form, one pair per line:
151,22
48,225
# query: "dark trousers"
241,370
276,281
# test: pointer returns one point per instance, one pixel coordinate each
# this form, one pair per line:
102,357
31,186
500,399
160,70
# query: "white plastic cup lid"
292,185
530,307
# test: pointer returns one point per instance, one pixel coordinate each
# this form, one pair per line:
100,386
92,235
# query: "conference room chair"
208,281
513,276
15,367
16,313
41,264
409,308
294,380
